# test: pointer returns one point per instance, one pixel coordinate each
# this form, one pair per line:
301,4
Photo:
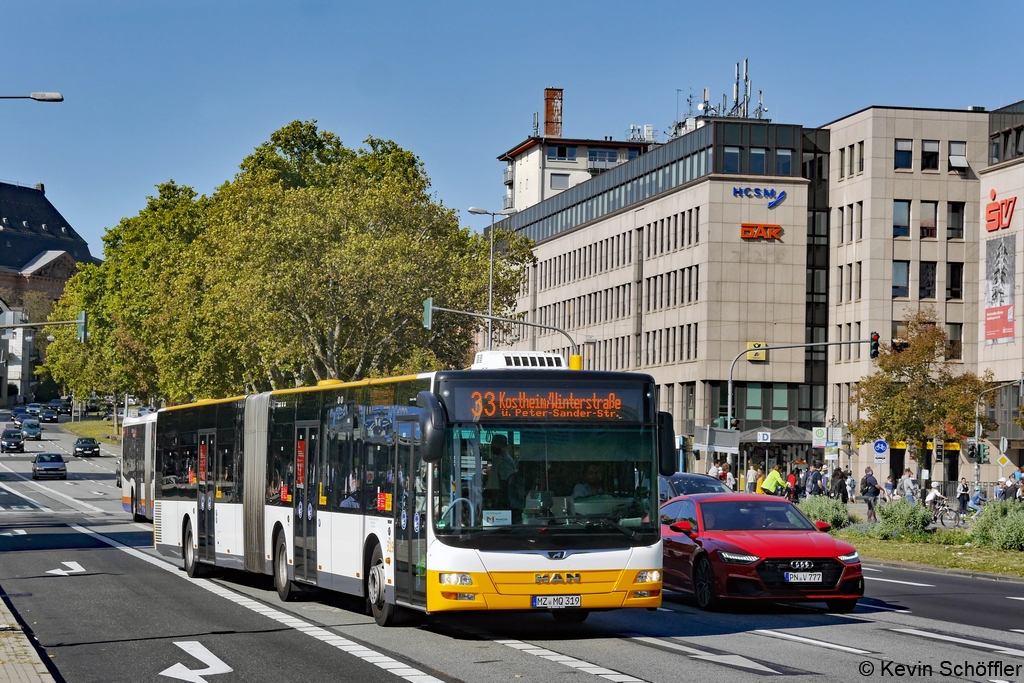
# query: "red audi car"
729,546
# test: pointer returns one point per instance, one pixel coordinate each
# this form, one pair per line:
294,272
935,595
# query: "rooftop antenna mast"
536,125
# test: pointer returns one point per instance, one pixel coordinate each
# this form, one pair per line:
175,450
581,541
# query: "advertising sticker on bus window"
497,517
202,462
300,463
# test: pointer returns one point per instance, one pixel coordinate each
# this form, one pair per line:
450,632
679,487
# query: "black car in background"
12,440
49,415
87,446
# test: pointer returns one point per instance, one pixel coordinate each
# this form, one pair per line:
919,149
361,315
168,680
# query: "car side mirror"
682,527
823,526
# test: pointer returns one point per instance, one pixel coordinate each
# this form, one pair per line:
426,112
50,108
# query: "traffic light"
734,424
982,453
972,451
874,344
720,422
83,326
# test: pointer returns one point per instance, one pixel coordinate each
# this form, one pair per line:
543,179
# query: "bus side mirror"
432,421
666,445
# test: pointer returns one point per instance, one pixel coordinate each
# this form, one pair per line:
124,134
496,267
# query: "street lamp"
37,96
490,267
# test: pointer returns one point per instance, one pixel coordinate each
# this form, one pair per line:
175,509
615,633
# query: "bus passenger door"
410,515
307,451
207,485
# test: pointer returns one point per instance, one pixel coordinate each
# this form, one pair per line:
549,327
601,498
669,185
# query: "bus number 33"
483,404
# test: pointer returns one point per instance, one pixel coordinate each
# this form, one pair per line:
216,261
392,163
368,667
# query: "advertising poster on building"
1000,279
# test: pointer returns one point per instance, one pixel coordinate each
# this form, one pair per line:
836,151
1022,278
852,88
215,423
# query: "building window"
929,213
901,218
757,156
860,156
860,220
732,160
958,155
859,275
562,153
840,297
955,221
842,162
603,155
954,280
904,152
559,181
851,161
929,155
783,162
900,278
899,335
926,288
954,341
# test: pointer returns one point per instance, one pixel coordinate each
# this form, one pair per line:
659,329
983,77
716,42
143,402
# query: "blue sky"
184,90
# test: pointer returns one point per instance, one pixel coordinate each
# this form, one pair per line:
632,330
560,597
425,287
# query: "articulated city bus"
138,446
530,487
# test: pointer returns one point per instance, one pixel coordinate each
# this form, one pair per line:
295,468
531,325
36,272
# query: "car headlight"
851,558
455,579
737,558
649,576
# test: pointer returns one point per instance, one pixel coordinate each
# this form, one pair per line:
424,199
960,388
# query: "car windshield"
11,433
49,457
684,486
746,515
30,423
86,442
562,479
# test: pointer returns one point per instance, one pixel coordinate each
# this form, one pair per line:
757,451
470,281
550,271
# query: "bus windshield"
563,479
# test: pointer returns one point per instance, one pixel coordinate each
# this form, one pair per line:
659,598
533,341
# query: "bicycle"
945,515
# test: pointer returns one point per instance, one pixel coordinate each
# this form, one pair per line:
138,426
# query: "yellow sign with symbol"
760,352
1003,461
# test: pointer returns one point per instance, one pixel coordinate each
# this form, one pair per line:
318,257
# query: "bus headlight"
455,579
649,576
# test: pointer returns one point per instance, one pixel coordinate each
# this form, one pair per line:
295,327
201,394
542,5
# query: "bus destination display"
515,402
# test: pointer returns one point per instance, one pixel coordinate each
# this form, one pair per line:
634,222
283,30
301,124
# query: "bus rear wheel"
384,613
285,589
188,553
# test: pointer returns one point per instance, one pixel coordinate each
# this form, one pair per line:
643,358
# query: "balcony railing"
508,175
506,202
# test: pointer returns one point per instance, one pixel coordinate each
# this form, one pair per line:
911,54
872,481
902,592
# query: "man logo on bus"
557,578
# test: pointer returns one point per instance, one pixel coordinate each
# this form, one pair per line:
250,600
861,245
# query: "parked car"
741,546
685,483
49,415
12,440
87,446
34,409
49,465
31,429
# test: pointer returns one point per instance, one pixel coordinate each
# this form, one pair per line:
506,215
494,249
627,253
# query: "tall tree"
915,394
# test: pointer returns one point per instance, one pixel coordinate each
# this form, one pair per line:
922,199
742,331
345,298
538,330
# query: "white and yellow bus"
136,468
529,487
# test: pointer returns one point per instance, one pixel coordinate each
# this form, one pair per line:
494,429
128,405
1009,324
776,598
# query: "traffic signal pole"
739,355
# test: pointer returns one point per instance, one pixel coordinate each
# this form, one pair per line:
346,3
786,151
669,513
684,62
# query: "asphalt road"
103,607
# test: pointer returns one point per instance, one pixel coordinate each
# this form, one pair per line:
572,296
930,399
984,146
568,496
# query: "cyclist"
977,500
933,498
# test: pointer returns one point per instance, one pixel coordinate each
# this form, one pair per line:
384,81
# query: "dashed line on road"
992,647
732,660
389,664
1013,597
905,583
578,664
47,489
810,641
42,507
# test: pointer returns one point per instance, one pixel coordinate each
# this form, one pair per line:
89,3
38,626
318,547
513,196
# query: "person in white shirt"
751,479
715,469
933,497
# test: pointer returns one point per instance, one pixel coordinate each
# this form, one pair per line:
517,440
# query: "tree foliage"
915,394
311,263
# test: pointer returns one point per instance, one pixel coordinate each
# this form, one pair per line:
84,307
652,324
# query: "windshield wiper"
611,524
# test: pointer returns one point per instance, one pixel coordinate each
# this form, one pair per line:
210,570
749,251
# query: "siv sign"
999,214
768,193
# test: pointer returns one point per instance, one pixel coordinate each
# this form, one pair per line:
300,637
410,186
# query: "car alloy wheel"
704,583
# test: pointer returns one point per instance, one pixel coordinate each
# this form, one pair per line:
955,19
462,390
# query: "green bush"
1009,534
825,509
1001,524
900,517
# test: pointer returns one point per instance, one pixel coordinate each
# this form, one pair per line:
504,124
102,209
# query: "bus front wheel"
188,552
384,613
285,588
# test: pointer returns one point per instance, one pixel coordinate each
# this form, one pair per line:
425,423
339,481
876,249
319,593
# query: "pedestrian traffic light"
982,453
720,422
874,344
972,451
734,424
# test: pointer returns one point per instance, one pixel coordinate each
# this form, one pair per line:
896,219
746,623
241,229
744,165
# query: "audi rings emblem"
801,564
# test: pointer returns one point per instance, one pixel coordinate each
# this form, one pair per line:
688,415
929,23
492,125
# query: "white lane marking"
905,583
47,489
321,634
998,649
694,653
810,641
578,664
869,569
213,664
97,493
890,609
1017,630
16,532
39,505
72,568
1011,597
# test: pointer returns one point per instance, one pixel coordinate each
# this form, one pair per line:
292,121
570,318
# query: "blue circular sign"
881,446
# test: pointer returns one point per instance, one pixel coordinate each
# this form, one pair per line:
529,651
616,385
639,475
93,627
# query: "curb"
929,569
19,658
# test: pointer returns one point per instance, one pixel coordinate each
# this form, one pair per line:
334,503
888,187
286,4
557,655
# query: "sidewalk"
19,661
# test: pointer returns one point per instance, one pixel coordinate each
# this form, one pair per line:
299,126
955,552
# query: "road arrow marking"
198,650
16,532
72,568
694,653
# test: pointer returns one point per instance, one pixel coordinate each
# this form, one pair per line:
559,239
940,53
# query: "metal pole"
575,346
490,289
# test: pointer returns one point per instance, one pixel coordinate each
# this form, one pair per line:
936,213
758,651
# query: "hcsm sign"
754,231
999,214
